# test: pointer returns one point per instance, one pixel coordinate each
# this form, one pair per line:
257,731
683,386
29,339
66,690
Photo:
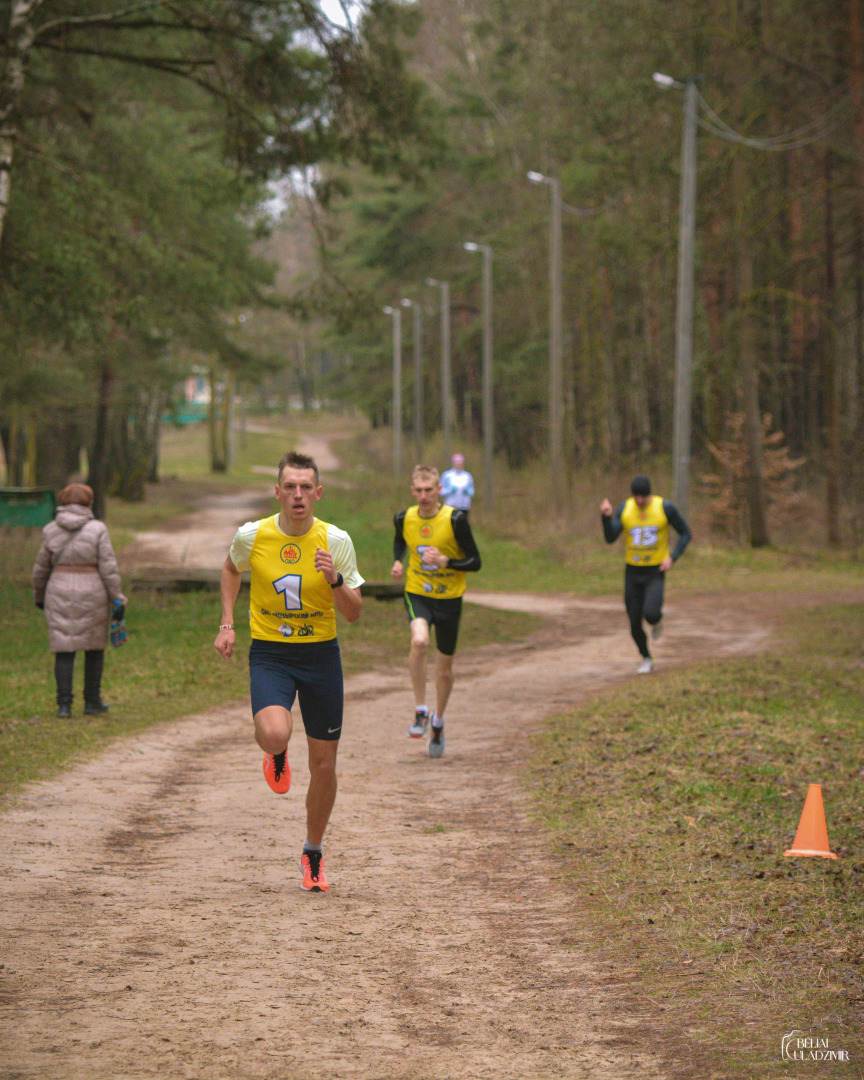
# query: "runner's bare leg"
417,659
443,682
322,787
273,727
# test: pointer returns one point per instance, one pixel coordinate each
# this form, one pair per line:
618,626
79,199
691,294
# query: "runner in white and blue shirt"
457,485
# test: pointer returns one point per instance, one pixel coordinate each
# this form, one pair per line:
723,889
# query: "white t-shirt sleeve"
344,559
241,545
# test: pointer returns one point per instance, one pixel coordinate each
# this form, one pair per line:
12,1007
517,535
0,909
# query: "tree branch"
105,19
162,63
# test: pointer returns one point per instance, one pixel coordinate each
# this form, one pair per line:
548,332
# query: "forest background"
149,151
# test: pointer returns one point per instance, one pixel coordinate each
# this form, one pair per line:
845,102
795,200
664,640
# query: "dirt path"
153,925
170,938
201,540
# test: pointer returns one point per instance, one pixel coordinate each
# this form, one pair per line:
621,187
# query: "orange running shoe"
313,872
277,772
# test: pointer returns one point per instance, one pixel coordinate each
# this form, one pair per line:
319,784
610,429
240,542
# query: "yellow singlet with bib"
647,532
421,533
289,599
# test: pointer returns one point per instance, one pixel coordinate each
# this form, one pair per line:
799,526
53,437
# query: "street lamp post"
446,377
487,406
686,290
417,345
556,373
396,315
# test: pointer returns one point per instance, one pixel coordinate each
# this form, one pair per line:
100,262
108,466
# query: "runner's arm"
612,526
399,545
400,548
341,560
465,540
229,587
348,602
678,523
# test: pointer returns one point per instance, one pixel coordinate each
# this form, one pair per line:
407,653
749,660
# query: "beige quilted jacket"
77,604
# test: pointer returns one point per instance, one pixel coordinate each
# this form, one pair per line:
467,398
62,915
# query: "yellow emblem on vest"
290,554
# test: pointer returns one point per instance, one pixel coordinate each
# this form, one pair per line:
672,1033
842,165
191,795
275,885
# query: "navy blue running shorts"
444,615
311,672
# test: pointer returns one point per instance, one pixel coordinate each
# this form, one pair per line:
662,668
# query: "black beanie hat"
641,485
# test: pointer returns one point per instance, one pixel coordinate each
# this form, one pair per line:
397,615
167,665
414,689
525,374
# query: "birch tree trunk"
19,39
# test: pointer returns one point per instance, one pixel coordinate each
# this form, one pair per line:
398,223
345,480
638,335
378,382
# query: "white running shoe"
418,728
646,667
657,629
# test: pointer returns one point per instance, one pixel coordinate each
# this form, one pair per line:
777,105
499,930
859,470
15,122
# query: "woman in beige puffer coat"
76,581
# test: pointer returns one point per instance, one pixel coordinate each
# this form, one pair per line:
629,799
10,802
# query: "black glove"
40,604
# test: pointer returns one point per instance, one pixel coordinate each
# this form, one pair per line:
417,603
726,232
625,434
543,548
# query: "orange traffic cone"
812,835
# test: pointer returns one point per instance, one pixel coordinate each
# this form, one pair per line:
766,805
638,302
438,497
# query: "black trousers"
643,598
64,665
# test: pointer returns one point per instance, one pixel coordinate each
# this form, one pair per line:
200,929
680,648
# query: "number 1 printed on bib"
289,586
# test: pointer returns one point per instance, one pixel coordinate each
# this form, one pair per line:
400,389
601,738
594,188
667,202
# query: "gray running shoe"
646,667
436,743
418,728
657,629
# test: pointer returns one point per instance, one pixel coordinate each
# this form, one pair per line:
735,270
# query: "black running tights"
643,598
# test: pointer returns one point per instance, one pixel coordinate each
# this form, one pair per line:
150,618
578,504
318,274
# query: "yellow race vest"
289,600
647,532
420,533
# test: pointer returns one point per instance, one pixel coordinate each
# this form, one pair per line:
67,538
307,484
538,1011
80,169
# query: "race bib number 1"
289,586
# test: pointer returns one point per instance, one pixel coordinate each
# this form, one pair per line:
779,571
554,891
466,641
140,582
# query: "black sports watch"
339,581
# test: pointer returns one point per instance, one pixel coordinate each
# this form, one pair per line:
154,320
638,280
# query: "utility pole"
487,404
417,346
488,385
556,367
396,315
684,306
446,376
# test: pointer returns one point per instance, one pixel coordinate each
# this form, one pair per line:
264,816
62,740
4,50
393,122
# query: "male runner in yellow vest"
302,571
441,550
645,519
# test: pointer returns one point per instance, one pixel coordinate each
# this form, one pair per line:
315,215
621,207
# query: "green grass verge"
562,554
528,544
672,804
167,670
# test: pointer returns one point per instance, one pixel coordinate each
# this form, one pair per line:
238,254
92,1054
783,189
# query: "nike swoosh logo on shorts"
330,730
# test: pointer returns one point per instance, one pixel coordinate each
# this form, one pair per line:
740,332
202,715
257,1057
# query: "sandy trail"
153,925
201,540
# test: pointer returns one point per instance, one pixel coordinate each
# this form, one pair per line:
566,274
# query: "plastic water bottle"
118,625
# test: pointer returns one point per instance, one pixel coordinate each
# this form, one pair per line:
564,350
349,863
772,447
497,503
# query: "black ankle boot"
95,708
64,711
